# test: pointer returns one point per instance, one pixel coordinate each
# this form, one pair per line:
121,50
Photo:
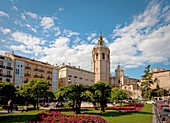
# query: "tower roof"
100,41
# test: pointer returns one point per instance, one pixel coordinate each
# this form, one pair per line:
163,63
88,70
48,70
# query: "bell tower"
101,61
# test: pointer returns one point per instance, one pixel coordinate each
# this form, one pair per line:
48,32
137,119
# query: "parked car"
167,119
149,102
164,113
161,106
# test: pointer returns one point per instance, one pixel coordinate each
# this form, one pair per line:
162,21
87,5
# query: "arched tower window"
96,55
103,56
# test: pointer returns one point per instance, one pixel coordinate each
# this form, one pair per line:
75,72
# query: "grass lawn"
112,116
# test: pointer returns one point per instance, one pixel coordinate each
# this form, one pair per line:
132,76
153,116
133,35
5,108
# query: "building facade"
6,69
162,77
26,69
101,61
74,75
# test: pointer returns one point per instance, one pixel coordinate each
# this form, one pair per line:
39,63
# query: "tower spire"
100,41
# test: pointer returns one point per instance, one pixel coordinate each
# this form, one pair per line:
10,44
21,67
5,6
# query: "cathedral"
101,69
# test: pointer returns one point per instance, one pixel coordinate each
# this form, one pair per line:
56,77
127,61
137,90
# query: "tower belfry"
100,41
101,61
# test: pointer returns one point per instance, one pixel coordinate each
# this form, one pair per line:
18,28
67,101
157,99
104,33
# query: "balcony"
49,78
36,76
50,72
9,76
41,70
27,67
27,75
25,81
41,76
9,68
2,66
1,57
35,69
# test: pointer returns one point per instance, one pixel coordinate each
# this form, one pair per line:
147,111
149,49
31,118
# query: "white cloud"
15,8
69,33
91,36
61,9
144,40
2,52
21,48
3,14
30,43
5,30
59,52
47,22
32,15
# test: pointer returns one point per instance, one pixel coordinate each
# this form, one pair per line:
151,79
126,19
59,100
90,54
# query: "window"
96,69
1,62
107,57
96,55
9,64
75,76
103,56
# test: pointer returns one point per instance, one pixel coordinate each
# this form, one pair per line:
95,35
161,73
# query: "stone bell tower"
101,61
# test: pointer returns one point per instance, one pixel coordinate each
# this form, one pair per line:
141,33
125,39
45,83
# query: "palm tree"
101,94
73,93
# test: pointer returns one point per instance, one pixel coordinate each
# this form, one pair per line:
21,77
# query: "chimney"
12,52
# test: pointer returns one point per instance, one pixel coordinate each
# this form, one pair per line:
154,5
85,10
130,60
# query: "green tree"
101,93
74,93
147,82
35,88
7,91
119,94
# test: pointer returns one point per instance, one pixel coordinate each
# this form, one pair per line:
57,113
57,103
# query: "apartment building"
74,75
162,77
26,68
6,69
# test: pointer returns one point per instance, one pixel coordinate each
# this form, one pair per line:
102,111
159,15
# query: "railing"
27,74
10,76
35,69
27,67
41,76
2,66
36,76
49,78
50,72
158,119
2,57
41,70
9,67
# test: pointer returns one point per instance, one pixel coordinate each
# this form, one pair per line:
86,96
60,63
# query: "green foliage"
73,93
7,91
147,82
119,94
34,88
101,93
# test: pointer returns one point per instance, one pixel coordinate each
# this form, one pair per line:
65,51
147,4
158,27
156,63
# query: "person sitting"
25,107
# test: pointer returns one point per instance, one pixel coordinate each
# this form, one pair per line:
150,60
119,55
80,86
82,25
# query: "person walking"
10,105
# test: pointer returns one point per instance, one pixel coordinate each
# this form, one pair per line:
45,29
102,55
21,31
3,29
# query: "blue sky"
61,31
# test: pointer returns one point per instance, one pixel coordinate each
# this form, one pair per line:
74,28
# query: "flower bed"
133,107
58,117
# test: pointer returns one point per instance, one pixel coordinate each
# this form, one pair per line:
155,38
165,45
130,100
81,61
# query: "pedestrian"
10,105
25,107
